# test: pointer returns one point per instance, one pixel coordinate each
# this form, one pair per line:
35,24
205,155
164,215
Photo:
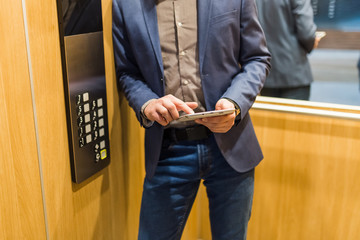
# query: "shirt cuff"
145,121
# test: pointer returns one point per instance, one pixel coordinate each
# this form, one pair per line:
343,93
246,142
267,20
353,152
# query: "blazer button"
161,79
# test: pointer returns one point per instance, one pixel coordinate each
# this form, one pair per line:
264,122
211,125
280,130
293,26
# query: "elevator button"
86,97
102,144
100,112
103,154
101,132
99,102
88,128
88,138
86,107
101,122
87,118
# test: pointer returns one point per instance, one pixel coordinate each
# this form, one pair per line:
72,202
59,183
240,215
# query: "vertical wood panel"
22,215
49,101
307,186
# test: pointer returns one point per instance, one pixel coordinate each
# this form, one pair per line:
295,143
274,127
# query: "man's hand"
318,36
316,42
220,124
166,109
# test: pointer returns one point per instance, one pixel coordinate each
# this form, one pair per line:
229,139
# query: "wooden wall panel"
307,186
22,215
49,101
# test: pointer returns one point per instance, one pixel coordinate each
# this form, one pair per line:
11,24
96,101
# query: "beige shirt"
178,33
177,24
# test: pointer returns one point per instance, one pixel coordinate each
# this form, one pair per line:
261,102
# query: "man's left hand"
220,124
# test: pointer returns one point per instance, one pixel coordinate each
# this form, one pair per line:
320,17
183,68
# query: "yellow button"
103,154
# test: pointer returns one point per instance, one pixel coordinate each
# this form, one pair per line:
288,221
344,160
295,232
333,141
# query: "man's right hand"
166,109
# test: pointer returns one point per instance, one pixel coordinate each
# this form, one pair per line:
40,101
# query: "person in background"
290,33
173,56
358,67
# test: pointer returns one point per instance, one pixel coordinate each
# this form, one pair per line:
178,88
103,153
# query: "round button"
185,82
180,24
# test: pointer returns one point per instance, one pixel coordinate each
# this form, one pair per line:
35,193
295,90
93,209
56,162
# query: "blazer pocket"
225,16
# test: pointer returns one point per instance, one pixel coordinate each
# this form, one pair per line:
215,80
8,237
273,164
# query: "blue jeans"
169,195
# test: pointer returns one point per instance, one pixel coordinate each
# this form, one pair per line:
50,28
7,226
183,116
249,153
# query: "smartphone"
320,34
214,113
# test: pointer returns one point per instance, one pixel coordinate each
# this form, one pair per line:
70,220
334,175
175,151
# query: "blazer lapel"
150,17
204,10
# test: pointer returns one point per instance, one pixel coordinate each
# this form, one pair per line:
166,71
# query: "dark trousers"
300,93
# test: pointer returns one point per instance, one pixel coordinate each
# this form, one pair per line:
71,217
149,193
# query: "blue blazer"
233,59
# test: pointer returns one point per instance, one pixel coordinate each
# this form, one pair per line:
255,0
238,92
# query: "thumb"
224,104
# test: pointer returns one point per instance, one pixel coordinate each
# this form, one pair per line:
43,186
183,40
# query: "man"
358,67
290,33
174,56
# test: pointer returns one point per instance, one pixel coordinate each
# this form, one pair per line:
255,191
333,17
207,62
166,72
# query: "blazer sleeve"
304,23
130,79
254,59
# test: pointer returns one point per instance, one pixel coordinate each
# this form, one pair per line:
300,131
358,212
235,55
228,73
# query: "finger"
165,114
172,110
192,105
181,106
160,109
216,129
161,120
159,114
216,126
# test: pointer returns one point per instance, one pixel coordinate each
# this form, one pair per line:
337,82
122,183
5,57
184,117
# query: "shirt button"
180,24
182,53
185,82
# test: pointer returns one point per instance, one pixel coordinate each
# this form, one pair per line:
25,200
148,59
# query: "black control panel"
82,50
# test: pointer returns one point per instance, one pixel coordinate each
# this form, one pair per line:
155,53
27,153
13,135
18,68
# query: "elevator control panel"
82,50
